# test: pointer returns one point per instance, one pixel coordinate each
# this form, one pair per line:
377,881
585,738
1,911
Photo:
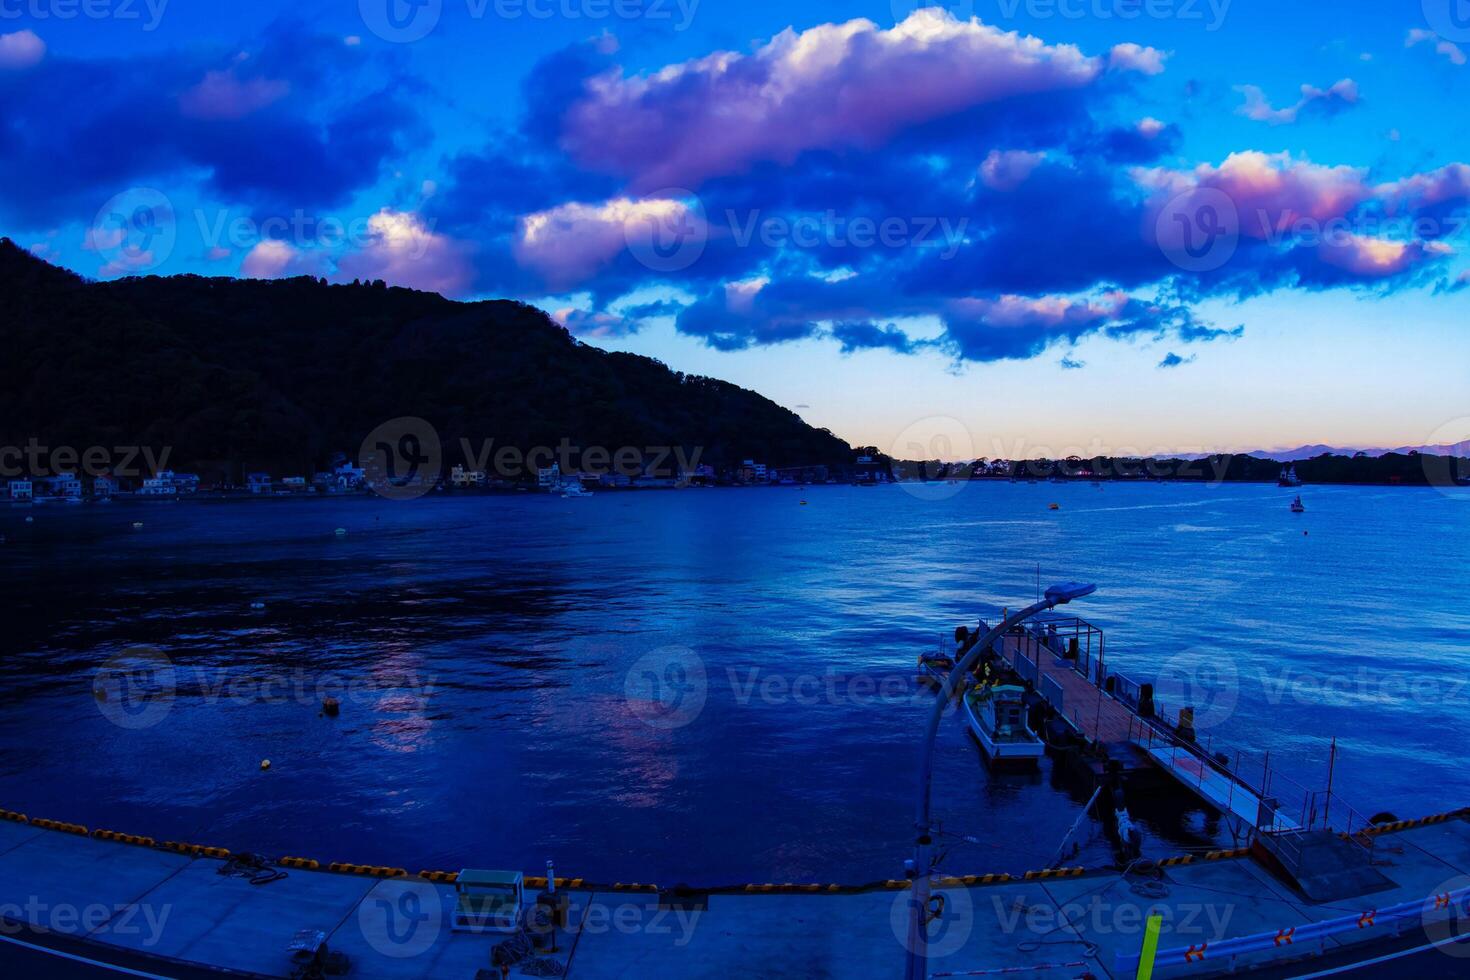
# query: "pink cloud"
222,95
1136,57
404,251
1270,191
1149,127
585,323
271,259
570,242
1448,49
1029,312
1448,183
1005,170
1377,258
834,85
21,50
1341,93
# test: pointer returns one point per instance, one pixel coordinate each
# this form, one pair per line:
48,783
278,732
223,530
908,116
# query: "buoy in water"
341,532
1054,507
265,764
331,707
137,524
803,503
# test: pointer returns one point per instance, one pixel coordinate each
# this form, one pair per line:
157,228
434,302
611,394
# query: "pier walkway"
1076,687
71,903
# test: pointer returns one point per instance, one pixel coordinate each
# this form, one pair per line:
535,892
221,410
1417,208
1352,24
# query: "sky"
991,228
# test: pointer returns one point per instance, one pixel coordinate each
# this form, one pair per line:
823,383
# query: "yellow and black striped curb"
1238,852
1397,825
961,881
116,838
370,870
305,864
195,850
1054,873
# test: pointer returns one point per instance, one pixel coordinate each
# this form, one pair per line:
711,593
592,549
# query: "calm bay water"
483,647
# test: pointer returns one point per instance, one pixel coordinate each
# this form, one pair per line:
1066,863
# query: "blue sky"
1005,227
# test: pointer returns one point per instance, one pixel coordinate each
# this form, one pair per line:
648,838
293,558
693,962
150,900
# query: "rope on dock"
14,817
65,828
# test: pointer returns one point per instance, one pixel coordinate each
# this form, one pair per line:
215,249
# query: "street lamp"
957,681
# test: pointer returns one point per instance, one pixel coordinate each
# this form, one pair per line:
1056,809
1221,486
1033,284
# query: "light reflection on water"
484,645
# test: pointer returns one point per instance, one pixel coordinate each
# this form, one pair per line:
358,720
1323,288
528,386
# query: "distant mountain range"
1461,449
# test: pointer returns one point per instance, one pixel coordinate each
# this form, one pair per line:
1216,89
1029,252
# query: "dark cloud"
867,336
301,124
1173,360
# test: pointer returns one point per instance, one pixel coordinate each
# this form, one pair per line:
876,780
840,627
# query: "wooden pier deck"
1087,708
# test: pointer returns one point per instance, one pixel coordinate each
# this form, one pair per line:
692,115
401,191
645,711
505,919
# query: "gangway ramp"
1221,790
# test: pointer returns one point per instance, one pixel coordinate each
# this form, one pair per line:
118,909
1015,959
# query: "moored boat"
997,716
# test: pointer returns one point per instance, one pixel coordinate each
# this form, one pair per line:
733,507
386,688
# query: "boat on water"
996,714
1288,477
570,490
1297,507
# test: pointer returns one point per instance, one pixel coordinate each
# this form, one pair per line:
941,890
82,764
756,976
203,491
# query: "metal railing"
1445,905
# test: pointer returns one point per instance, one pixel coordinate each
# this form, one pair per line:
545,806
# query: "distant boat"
1288,476
1297,507
997,716
1054,507
574,490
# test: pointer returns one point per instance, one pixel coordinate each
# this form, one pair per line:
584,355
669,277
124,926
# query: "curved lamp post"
958,680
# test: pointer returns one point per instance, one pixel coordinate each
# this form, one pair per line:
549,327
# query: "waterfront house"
21,491
258,482
463,479
63,486
294,484
159,486
349,477
103,487
549,478
753,472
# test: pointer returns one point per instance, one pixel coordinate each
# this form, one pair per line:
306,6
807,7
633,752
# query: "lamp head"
1064,592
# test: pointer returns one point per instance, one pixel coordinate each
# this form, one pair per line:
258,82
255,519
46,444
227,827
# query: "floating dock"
73,904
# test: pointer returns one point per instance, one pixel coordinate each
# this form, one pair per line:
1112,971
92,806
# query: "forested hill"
285,373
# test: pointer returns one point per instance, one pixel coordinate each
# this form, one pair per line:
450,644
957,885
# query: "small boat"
1297,507
570,490
1053,506
997,716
